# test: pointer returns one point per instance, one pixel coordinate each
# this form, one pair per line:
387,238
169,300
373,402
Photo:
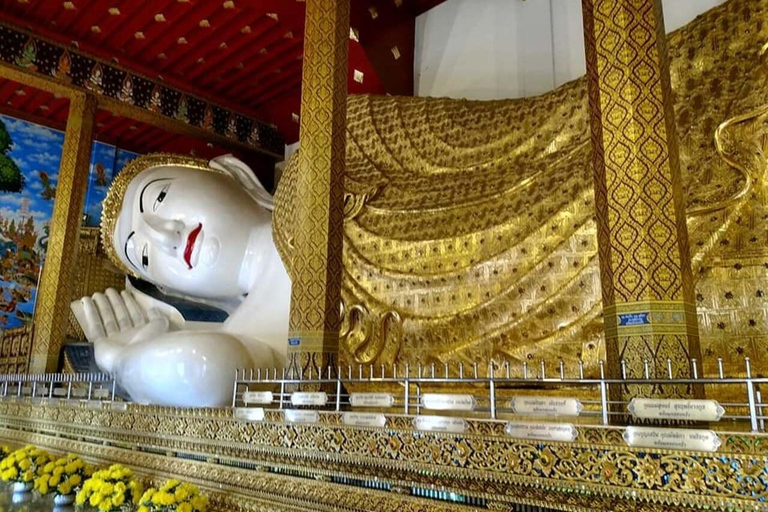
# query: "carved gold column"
645,265
55,291
316,293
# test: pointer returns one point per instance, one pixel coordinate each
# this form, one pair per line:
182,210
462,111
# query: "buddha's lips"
191,245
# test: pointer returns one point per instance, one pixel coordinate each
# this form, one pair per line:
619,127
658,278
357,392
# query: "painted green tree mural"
11,179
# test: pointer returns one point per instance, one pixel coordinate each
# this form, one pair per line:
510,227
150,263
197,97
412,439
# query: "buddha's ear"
243,174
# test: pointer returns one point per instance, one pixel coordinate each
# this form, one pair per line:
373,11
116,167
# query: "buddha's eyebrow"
141,195
125,249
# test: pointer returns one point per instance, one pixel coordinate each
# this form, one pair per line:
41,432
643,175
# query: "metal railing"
54,386
493,389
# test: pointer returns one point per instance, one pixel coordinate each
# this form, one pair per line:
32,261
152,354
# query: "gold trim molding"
482,464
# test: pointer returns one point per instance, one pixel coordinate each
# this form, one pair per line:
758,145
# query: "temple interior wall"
493,49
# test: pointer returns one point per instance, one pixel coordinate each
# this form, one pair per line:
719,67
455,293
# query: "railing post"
492,390
407,398
338,389
603,393
751,395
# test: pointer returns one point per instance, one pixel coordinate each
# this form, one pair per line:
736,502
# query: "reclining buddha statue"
469,232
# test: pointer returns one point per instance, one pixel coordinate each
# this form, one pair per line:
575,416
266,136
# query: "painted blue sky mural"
104,160
25,217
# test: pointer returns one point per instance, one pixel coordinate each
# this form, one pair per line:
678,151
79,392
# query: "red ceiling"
47,109
244,54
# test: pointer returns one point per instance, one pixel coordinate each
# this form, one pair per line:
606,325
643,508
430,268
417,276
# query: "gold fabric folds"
469,230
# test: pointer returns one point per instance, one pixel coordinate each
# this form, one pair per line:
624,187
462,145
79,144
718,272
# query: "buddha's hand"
113,320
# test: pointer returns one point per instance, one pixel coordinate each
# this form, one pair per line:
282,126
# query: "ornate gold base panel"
265,466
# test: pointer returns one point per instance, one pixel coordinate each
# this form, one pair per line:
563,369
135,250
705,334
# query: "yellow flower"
75,479
118,499
54,480
65,488
48,468
107,489
105,505
80,498
43,488
148,494
181,494
184,507
120,487
200,503
25,464
70,468
28,476
12,473
96,498
143,509
170,484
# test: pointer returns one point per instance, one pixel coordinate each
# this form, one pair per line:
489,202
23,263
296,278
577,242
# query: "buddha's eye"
160,197
145,256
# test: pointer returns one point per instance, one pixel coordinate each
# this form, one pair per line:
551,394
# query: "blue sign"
634,319
294,342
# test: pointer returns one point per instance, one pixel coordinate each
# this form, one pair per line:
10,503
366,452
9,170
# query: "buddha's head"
181,225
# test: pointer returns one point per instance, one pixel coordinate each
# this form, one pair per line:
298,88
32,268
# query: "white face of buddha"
188,230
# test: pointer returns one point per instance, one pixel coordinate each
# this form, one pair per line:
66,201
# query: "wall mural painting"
106,162
30,155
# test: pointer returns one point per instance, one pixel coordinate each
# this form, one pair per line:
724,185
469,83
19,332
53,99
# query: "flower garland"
173,496
63,476
110,489
23,464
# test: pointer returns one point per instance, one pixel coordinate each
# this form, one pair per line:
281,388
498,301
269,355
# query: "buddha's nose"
166,233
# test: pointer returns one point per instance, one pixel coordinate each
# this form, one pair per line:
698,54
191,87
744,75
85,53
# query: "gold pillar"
645,264
55,291
316,292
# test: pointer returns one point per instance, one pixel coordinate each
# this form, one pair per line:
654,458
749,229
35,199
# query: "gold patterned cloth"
469,230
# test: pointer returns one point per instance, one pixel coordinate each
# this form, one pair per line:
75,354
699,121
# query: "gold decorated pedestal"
274,465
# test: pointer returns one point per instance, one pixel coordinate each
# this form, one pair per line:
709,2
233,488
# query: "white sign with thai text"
309,398
371,400
249,413
672,438
676,409
561,432
258,397
546,406
440,424
445,402
364,419
301,416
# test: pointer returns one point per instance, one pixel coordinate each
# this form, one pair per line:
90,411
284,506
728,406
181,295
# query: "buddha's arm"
157,362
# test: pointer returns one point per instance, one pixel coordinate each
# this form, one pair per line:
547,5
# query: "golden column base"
316,292
55,291
645,263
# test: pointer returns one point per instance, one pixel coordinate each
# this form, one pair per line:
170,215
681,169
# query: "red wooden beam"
288,77
190,19
231,33
142,15
266,95
281,53
263,34
286,59
173,13
91,15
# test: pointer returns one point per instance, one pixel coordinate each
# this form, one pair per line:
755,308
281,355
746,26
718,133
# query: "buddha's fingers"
94,328
107,315
155,313
119,308
134,310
